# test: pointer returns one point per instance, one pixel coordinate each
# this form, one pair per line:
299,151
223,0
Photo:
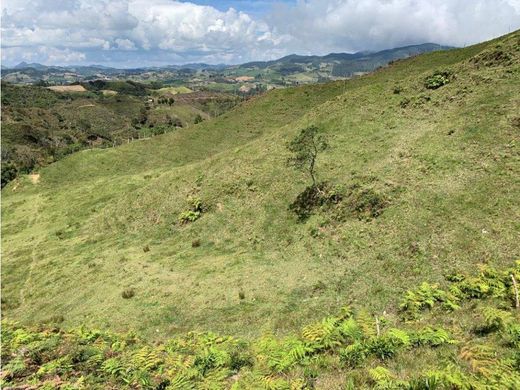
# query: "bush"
438,79
312,197
9,172
196,208
128,293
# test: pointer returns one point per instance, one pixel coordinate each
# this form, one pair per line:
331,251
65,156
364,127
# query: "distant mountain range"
345,64
291,69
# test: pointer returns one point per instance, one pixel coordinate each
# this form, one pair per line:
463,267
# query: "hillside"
426,164
41,125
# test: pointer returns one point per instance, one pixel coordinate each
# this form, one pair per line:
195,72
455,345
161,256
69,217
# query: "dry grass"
68,88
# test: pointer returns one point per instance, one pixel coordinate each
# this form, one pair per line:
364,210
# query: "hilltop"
438,162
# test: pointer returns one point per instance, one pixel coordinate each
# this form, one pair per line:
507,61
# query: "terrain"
192,231
41,125
286,71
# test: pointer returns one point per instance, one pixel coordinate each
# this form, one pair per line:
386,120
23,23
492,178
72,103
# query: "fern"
322,335
367,323
495,319
181,382
425,297
431,337
350,330
113,367
481,358
353,355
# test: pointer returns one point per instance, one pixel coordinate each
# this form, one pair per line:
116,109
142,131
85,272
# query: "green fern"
495,319
431,337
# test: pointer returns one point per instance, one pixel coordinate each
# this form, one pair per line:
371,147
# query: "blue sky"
135,33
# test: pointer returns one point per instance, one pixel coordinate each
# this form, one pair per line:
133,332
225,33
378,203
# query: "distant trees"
305,148
164,100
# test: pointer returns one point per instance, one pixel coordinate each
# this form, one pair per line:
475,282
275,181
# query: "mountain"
293,68
343,64
34,65
401,273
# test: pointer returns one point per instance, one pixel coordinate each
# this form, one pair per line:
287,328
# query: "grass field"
443,161
68,88
173,90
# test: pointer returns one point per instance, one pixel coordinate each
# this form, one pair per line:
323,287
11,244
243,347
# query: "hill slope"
442,165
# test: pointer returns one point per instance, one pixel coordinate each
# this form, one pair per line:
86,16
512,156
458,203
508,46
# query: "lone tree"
305,148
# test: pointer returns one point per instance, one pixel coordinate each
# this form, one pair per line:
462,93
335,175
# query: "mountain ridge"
202,65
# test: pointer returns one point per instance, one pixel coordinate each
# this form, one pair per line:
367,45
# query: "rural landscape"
321,221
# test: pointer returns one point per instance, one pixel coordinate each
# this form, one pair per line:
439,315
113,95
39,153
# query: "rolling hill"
293,68
41,125
431,143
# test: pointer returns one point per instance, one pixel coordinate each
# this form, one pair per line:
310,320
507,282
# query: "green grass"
447,162
421,347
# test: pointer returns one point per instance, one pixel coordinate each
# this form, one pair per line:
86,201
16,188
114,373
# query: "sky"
136,33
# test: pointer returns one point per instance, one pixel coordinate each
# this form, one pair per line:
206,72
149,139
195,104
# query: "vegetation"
194,212
438,79
305,148
41,126
352,350
286,71
421,191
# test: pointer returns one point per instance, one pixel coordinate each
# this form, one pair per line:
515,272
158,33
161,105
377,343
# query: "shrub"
354,354
196,208
312,197
438,79
9,172
128,293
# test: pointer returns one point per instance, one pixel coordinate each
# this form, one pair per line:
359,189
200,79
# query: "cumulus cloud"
153,32
354,25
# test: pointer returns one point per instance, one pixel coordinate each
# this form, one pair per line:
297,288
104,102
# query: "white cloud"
137,32
333,25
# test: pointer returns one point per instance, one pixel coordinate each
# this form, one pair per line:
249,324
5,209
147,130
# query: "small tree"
305,148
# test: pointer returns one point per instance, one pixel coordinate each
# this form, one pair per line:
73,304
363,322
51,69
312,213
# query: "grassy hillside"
41,126
440,165
425,348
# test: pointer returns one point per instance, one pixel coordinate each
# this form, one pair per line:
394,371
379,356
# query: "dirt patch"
68,88
34,177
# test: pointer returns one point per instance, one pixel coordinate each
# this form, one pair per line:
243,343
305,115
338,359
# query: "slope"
441,164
